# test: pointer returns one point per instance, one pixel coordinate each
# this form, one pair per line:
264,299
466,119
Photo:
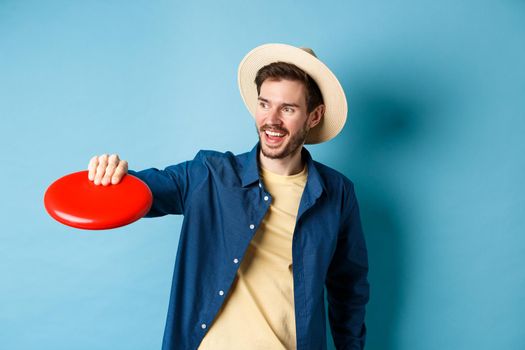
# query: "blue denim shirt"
221,198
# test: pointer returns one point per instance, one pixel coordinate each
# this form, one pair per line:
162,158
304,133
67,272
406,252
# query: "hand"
106,169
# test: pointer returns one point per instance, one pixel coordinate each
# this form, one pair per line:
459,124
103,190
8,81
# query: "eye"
288,110
263,104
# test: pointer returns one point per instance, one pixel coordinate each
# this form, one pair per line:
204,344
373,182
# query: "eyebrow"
283,105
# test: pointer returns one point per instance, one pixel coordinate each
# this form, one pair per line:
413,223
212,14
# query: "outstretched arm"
169,187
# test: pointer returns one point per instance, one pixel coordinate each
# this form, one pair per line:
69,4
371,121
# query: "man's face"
281,118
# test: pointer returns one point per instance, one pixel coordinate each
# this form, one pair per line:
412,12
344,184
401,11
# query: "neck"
290,165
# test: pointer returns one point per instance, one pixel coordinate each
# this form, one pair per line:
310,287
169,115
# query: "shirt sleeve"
347,284
171,187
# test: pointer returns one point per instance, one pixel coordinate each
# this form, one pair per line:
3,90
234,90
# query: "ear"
316,116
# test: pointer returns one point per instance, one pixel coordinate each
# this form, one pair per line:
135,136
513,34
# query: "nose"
273,117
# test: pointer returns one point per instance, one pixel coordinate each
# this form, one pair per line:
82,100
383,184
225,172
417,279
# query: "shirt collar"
314,184
250,170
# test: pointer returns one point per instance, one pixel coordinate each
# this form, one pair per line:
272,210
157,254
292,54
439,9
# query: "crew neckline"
267,173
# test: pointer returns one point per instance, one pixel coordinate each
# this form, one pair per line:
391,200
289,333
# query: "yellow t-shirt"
259,312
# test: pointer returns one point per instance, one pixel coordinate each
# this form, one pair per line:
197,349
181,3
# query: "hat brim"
333,94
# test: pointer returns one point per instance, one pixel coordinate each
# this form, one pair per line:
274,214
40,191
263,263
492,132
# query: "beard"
290,147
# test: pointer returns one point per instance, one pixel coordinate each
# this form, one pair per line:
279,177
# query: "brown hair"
289,71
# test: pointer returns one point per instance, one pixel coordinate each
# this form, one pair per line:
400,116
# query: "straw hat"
333,94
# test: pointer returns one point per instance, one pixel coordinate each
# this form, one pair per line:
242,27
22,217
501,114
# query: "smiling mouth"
273,133
274,138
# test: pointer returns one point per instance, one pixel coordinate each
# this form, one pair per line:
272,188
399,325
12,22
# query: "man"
265,231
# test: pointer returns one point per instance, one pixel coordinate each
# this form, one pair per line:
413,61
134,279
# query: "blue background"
434,144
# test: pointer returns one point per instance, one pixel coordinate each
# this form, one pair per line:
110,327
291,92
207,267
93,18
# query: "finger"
92,167
110,169
101,168
120,171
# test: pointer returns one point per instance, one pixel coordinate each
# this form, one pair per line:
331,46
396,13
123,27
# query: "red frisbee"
76,201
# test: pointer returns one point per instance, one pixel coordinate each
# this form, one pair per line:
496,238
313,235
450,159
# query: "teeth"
272,133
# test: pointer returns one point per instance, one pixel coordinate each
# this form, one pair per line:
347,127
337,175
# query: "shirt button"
235,261
260,184
252,226
221,292
265,198
203,326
